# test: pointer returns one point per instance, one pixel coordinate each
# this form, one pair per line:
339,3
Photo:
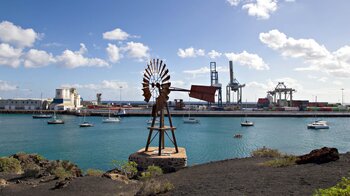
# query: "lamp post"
342,96
120,95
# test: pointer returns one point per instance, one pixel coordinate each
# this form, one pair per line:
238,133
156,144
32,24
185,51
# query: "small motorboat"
86,124
247,123
318,124
190,120
238,136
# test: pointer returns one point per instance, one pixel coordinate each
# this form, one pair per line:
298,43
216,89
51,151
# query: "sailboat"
111,119
85,123
189,119
246,123
55,120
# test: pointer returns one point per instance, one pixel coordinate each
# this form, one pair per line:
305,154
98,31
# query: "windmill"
156,84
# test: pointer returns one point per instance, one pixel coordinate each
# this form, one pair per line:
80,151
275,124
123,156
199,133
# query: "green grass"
94,172
266,152
151,172
10,165
342,188
281,162
128,168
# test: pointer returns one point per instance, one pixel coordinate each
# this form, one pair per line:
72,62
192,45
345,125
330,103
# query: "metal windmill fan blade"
165,73
147,94
166,79
161,71
146,76
148,73
155,65
145,80
160,65
145,85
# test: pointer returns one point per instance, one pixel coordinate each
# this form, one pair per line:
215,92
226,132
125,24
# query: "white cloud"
317,57
262,9
74,59
113,53
10,56
104,85
233,2
38,58
271,84
5,86
178,83
116,34
205,70
289,0
190,52
12,34
214,54
253,61
337,82
137,50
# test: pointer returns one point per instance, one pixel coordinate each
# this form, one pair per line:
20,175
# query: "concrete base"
169,161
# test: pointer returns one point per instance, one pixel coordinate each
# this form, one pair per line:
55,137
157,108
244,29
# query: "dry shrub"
10,165
154,187
281,162
94,172
266,152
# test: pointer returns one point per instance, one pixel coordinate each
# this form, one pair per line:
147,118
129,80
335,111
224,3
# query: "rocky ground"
229,177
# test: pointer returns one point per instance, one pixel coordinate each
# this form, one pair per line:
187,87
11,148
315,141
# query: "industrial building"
24,104
66,99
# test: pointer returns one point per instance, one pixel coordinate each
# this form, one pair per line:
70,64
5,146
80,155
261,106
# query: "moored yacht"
318,124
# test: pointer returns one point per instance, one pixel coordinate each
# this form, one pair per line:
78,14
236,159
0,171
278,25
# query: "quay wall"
181,113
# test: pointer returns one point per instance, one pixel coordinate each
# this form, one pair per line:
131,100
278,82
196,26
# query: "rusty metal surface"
205,93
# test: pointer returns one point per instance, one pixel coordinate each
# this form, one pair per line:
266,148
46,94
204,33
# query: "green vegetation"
266,152
10,165
154,187
94,172
128,168
151,172
342,188
281,159
281,162
61,173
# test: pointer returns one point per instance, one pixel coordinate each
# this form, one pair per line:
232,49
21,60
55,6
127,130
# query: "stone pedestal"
169,161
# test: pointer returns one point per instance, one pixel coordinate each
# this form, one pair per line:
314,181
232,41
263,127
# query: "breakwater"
147,112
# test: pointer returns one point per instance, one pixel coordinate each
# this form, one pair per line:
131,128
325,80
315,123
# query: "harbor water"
210,140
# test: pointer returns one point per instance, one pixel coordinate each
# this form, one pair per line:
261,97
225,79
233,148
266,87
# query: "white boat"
55,120
111,119
190,120
42,115
85,123
318,124
247,123
156,122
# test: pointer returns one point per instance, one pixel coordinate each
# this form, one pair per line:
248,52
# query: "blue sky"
98,46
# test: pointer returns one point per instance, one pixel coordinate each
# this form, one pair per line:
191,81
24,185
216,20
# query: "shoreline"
181,113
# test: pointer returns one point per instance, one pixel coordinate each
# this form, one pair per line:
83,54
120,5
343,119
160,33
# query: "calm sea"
212,139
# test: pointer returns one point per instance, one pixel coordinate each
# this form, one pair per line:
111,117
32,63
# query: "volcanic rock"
319,156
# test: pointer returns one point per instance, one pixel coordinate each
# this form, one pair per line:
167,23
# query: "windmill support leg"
172,131
160,143
149,139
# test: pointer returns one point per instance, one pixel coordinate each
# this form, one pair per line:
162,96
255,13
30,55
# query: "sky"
104,46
